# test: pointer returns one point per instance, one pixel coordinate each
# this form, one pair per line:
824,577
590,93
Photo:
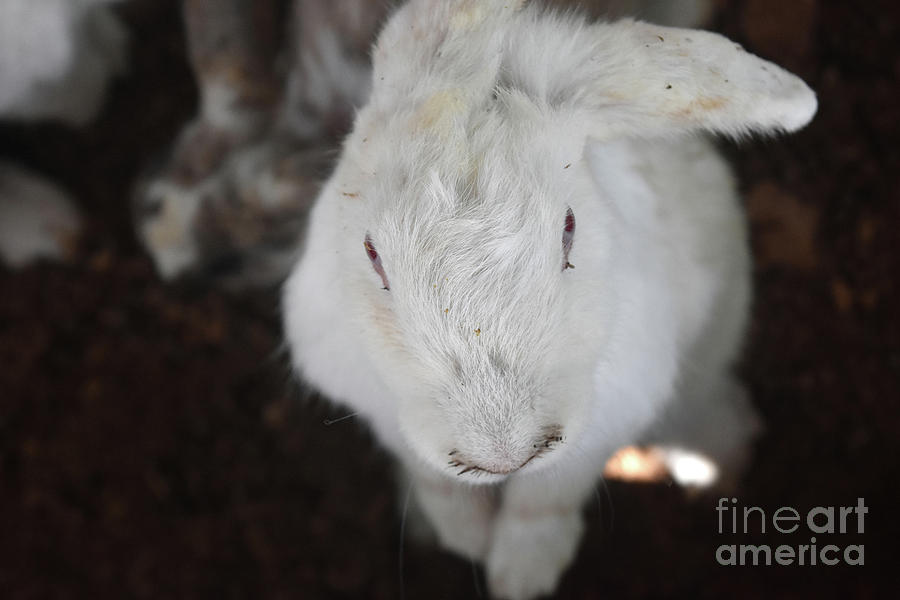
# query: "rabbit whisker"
339,419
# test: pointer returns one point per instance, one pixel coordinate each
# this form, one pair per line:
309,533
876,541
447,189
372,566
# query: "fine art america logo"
827,522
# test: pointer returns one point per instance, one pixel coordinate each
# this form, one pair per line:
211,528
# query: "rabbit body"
501,379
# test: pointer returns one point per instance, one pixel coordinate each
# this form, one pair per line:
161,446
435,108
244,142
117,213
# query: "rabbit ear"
442,44
636,79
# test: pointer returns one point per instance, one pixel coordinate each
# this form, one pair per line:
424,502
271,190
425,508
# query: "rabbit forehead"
487,209
469,264
499,247
440,159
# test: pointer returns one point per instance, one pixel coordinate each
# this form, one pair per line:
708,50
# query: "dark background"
152,444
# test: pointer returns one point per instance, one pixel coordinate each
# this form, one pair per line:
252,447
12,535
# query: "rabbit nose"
503,462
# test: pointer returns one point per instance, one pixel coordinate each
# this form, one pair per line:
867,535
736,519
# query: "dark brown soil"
152,446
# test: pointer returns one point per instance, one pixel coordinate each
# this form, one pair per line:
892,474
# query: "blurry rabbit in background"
56,60
57,57
230,202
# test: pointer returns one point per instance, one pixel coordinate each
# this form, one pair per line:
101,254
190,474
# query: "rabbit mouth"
552,438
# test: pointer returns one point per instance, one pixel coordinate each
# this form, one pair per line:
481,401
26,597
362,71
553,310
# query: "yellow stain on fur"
438,110
385,322
710,103
700,105
473,12
469,15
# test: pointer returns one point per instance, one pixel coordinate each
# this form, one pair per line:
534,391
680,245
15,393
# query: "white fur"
486,123
56,58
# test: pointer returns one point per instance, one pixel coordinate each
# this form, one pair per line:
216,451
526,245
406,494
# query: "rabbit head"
448,232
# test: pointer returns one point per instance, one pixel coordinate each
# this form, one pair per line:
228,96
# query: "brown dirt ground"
152,446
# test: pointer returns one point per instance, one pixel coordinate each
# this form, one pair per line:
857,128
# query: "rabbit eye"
376,261
567,237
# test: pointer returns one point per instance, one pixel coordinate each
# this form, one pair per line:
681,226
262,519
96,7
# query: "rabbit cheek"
385,322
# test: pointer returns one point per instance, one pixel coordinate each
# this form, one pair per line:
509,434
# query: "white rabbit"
500,147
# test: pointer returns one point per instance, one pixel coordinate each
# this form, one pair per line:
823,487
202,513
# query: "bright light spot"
636,464
690,468
655,464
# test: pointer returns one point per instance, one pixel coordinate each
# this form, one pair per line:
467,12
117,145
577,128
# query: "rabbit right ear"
636,79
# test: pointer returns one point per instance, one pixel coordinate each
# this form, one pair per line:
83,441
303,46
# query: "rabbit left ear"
641,80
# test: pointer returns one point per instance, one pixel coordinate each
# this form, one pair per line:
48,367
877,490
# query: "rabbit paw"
529,553
461,516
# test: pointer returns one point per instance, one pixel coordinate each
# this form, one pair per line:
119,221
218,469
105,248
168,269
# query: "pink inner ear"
376,261
568,237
